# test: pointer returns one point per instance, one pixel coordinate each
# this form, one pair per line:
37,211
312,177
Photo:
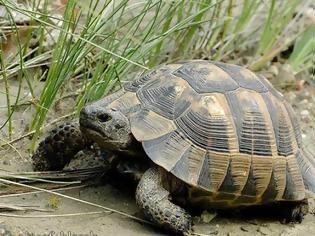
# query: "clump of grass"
105,43
54,202
303,55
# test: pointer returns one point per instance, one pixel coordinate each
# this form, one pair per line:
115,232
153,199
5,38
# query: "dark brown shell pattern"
218,127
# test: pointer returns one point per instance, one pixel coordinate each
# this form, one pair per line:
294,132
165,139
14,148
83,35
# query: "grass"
101,44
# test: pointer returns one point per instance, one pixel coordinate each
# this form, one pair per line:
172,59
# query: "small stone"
304,101
274,70
206,216
305,116
305,113
244,228
291,96
264,230
300,85
6,162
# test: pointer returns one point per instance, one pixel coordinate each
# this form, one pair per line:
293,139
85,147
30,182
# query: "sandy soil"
123,200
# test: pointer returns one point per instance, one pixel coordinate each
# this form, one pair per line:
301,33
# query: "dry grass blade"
50,179
55,215
34,192
77,200
74,175
10,207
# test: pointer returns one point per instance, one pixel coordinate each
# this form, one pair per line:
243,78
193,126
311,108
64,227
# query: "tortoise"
216,135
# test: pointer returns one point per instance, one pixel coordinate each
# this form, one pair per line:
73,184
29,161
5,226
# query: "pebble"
206,216
6,162
244,228
214,230
264,231
303,102
305,113
274,70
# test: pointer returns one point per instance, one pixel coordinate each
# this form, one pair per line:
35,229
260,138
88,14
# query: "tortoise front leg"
154,200
59,147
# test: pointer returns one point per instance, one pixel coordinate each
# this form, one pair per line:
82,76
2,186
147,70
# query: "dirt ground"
104,223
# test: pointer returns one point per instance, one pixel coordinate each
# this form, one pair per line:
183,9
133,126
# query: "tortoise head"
108,127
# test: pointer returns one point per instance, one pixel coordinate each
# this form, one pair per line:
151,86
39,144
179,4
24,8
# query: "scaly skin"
88,159
154,200
59,147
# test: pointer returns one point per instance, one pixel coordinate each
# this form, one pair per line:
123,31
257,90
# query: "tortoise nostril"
103,117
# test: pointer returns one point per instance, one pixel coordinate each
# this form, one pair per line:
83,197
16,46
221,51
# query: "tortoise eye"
103,117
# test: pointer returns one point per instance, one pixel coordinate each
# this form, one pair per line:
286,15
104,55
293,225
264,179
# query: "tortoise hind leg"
154,200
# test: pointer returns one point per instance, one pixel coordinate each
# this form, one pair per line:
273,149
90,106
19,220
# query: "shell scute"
243,77
205,77
207,124
168,96
167,150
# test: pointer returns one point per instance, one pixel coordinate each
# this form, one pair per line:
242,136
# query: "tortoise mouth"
96,134
93,129
88,125
102,133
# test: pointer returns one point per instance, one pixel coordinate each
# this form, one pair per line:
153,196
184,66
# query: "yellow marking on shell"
267,118
245,94
240,167
247,74
211,103
219,164
215,71
262,170
293,168
291,128
181,86
171,154
147,125
195,165
126,101
178,89
279,172
219,107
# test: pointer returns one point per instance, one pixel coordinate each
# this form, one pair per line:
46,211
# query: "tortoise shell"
218,127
